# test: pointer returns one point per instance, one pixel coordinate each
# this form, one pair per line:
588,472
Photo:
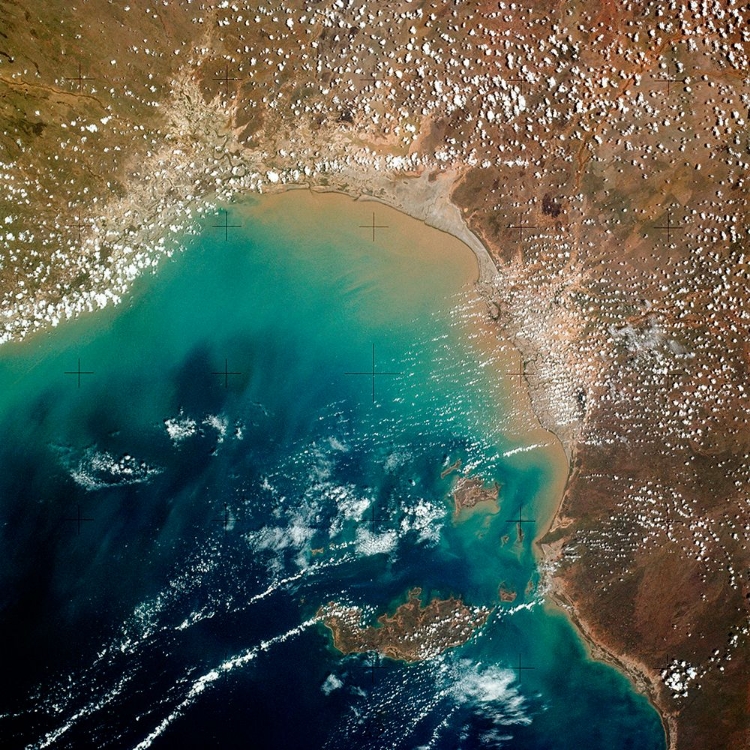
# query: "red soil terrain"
599,150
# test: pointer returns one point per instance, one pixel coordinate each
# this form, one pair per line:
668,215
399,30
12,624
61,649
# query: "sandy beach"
424,195
532,417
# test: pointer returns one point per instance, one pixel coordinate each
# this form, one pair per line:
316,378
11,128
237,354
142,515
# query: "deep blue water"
216,520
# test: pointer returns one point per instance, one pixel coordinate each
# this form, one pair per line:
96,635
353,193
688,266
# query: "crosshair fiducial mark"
669,227
226,372
519,81
79,519
79,372
226,226
521,520
79,225
660,80
521,228
373,226
375,663
669,665
79,79
521,668
674,375
317,47
517,373
373,373
225,80
225,519
375,518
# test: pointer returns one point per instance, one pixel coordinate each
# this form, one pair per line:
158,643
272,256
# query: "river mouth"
265,426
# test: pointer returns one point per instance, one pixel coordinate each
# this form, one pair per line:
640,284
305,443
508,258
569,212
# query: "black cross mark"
79,372
80,78
79,519
520,669
376,662
225,80
318,47
672,377
521,520
373,373
670,227
517,373
668,524
225,519
375,518
78,225
226,372
670,664
520,81
659,80
320,528
373,226
520,228
226,226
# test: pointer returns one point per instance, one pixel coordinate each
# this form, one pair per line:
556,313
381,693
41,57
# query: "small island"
413,633
468,492
455,466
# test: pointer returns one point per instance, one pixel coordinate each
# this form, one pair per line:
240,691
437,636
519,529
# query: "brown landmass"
468,492
414,632
506,594
455,466
599,151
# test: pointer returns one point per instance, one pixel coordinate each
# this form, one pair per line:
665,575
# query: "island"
593,156
414,632
468,492
455,466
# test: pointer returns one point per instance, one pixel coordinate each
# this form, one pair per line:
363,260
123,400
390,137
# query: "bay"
173,523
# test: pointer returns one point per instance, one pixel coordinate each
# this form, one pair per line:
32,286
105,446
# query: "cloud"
331,683
98,470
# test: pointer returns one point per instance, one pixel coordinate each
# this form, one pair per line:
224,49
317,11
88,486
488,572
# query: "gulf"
262,428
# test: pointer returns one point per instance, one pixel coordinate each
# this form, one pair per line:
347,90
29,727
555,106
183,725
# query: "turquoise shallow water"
219,512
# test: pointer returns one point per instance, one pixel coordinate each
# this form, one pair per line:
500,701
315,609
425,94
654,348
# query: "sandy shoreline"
488,274
482,123
634,671
430,197
639,676
424,196
432,206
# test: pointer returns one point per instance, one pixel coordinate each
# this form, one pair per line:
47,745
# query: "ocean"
186,478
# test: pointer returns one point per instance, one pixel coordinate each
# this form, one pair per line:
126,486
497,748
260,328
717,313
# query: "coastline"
427,208
635,672
644,681
553,162
637,675
426,198
454,225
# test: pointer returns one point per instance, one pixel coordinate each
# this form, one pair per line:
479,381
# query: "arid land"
594,156
415,631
